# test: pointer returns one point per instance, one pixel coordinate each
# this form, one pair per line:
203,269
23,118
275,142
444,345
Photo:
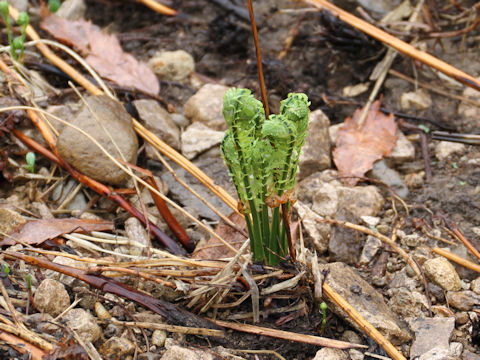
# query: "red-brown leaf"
103,52
357,148
38,231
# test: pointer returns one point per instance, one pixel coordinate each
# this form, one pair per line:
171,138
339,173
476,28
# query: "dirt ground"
325,57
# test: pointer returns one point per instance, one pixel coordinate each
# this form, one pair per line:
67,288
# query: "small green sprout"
4,10
425,129
454,165
462,183
323,308
30,159
29,281
6,269
54,5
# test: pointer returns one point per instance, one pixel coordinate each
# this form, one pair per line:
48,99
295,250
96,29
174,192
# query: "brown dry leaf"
214,249
103,52
38,231
358,148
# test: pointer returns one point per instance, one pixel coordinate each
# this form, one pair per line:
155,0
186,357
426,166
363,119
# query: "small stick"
156,6
22,346
364,324
287,335
261,80
459,260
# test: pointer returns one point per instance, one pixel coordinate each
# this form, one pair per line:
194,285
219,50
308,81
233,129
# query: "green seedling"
22,20
6,269
425,129
54,5
6,18
323,308
30,159
262,157
454,165
29,281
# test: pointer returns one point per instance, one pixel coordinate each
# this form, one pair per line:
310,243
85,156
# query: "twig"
22,346
398,44
156,6
287,335
459,260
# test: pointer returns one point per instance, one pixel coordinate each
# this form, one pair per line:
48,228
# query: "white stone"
330,354
72,10
198,138
403,151
445,149
172,65
419,100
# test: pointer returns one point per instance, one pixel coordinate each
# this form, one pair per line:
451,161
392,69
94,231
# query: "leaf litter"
358,147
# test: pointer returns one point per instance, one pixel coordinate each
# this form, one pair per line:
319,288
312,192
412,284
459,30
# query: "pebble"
136,232
318,233
116,348
65,190
316,151
158,121
418,100
72,10
370,249
390,177
415,180
330,354
87,158
10,221
51,297
404,304
445,149
198,138
463,300
440,271
65,279
326,199
172,65
456,349
468,355
432,335
361,200
84,324
403,152
366,300
101,312
159,337
378,8
475,285
206,106
370,220
176,352
461,318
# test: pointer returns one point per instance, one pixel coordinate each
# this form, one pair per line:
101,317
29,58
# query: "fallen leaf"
38,231
103,52
215,249
357,148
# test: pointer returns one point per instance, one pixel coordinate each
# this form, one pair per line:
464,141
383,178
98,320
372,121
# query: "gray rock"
326,199
198,138
378,8
84,324
206,106
370,249
51,297
180,120
403,303
468,355
330,354
158,121
116,348
435,354
431,334
10,221
308,186
390,177
316,151
72,10
463,300
63,190
411,240
172,65
136,231
317,233
441,272
456,349
176,352
345,244
20,5
445,149
366,300
403,151
83,155
361,200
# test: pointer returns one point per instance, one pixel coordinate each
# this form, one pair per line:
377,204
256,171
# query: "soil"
326,56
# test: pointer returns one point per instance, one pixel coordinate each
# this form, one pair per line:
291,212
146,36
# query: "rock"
403,303
41,209
159,337
456,349
463,300
355,90
440,271
371,221
149,356
308,186
330,354
403,151
65,279
180,120
370,249
116,348
72,10
198,138
83,155
435,354
431,334
418,100
206,106
20,5
136,232
65,190
318,233
172,65
356,354
84,324
411,240
158,121
51,297
475,285
390,177
326,200
471,113
361,200
345,244
176,353
468,355
366,300
10,221
316,151
461,318
378,8
445,149
400,279
415,180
